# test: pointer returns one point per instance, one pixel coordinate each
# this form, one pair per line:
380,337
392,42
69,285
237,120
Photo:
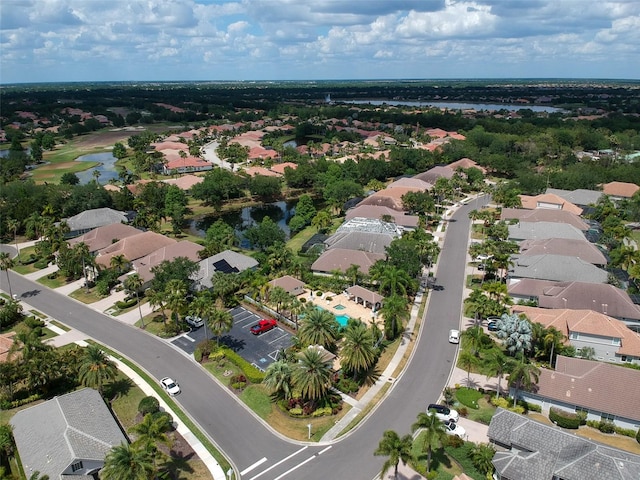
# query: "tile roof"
187,249
361,241
415,183
580,197
279,167
341,259
255,171
433,174
550,201
368,295
389,197
185,182
377,212
559,268
578,296
288,283
101,237
133,247
466,163
537,230
210,265
581,249
72,427
620,189
6,342
544,215
543,452
95,218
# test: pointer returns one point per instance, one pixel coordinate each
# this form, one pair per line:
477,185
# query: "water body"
459,106
107,167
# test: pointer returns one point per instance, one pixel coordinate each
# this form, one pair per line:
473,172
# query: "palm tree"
128,462
132,284
396,448
13,225
176,297
353,273
157,299
467,360
318,327
312,374
482,457
151,431
277,379
220,321
118,262
7,263
496,364
96,368
357,353
279,297
524,375
392,280
395,312
203,306
433,433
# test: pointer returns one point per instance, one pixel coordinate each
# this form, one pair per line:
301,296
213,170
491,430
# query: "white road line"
186,335
284,334
281,461
296,467
251,467
322,451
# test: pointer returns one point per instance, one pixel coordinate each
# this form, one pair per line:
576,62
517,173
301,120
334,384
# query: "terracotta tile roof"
597,386
279,167
188,162
620,189
265,172
544,215
187,249
466,163
288,283
389,197
102,237
185,182
6,342
413,182
341,259
134,247
548,200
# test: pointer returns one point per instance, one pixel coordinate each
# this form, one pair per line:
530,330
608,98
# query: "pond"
280,212
107,167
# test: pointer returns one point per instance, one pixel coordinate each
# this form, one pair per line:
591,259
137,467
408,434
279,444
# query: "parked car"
454,336
443,412
492,326
170,385
195,322
264,325
452,428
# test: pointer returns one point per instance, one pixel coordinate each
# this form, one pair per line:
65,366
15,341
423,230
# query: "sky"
235,40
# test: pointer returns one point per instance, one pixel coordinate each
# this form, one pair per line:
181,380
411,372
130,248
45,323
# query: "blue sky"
164,40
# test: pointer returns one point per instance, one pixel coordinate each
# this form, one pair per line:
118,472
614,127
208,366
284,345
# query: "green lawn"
55,282
83,296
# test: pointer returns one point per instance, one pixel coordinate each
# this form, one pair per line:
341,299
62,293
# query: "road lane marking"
186,335
322,451
251,467
302,463
281,461
284,335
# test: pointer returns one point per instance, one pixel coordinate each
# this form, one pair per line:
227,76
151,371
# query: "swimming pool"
342,320
339,307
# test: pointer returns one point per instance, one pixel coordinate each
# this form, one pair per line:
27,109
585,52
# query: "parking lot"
259,350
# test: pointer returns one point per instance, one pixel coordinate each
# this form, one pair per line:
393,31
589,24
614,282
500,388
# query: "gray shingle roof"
362,241
97,217
538,230
558,268
564,246
579,197
542,452
75,426
234,259
544,215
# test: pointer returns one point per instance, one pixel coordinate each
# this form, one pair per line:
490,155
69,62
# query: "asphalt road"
253,448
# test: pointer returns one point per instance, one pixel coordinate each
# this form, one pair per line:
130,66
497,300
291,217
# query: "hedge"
148,405
126,304
564,419
252,373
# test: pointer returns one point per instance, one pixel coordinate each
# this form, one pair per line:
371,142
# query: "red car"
263,325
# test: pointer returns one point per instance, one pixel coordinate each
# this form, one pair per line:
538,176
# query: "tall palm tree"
220,322
176,297
552,339
157,299
467,360
395,312
318,327
433,436
357,352
128,462
7,263
132,284
392,280
13,225
278,379
496,363
523,375
396,448
96,368
203,306
312,375
118,262
151,431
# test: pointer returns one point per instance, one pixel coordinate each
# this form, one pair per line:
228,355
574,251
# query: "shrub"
159,414
170,329
320,412
295,412
197,355
627,432
33,322
606,426
149,405
251,373
463,411
582,416
347,385
122,305
40,264
329,299
454,441
532,407
318,294
638,436
238,385
564,419
500,402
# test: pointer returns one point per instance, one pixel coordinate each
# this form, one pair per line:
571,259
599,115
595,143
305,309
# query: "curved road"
253,448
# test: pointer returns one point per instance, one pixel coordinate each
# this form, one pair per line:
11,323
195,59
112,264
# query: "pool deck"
351,308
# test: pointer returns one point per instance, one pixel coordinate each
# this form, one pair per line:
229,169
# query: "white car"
452,428
443,412
454,336
193,321
170,385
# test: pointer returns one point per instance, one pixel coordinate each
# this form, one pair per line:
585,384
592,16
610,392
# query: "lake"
107,167
458,105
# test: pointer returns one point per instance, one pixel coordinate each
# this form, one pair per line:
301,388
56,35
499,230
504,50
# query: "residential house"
544,215
102,237
185,182
227,261
144,265
185,165
279,168
133,247
580,197
602,390
619,190
6,342
610,338
411,182
548,201
340,259
433,174
67,436
362,241
289,284
559,268
530,450
599,297
537,230
466,163
401,219
94,218
581,249
389,197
